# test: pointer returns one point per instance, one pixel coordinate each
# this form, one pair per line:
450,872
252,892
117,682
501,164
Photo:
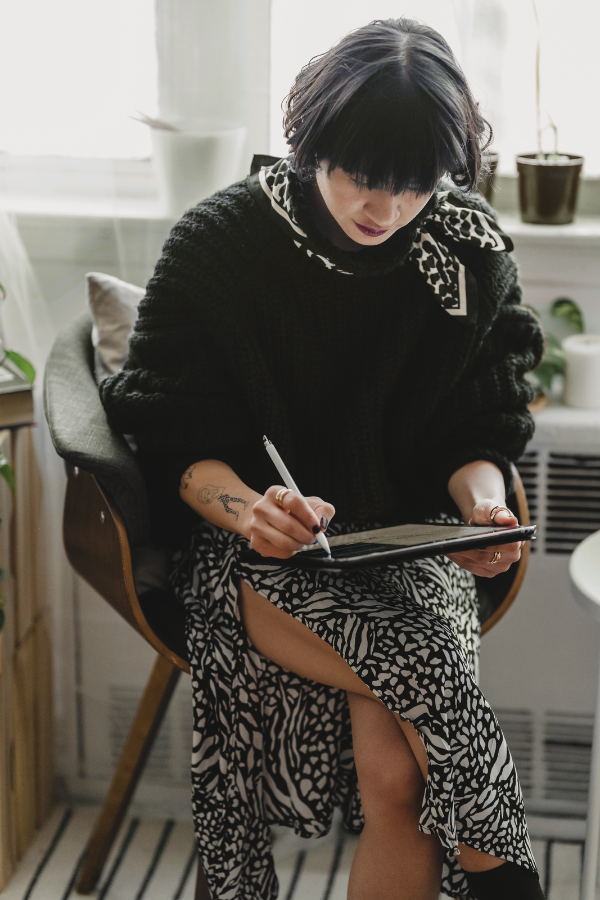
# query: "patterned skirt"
271,747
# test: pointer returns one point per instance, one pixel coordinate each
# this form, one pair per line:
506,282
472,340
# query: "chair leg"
148,718
202,892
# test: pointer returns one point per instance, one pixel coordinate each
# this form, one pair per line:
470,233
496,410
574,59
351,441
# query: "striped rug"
155,859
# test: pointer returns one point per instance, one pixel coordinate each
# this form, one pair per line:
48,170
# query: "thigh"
286,641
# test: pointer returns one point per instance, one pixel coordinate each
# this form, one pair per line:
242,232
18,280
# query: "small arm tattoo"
187,477
210,492
226,500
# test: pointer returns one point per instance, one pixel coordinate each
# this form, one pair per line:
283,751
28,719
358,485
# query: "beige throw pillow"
113,305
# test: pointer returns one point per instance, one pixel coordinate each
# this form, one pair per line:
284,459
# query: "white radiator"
539,665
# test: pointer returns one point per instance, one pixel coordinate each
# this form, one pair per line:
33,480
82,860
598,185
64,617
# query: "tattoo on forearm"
187,477
210,492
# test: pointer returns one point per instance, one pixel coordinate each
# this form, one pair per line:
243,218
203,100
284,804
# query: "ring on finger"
495,558
280,495
496,510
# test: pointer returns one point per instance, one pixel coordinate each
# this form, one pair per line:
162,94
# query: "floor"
154,859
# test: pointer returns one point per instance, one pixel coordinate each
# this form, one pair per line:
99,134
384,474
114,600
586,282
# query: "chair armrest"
81,434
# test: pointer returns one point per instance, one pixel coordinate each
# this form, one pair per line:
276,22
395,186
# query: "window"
73,73
495,41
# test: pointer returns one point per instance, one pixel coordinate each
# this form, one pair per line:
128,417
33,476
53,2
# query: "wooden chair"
105,514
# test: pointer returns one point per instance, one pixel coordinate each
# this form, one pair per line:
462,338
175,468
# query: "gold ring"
496,558
496,510
280,495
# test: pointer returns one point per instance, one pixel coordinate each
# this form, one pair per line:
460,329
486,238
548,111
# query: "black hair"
390,106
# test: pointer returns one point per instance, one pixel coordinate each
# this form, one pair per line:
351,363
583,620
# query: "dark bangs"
390,106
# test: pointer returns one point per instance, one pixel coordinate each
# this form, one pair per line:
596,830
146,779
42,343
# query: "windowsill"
127,189
583,229
82,207
558,413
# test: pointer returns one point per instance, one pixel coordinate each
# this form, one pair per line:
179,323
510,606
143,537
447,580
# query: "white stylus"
291,484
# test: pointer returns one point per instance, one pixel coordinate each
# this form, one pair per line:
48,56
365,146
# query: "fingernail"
324,523
316,528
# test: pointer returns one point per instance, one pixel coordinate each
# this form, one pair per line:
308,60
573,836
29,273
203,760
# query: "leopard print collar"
450,281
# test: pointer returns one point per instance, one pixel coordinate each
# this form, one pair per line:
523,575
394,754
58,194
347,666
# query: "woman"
366,318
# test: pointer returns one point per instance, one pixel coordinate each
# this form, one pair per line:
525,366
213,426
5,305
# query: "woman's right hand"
281,532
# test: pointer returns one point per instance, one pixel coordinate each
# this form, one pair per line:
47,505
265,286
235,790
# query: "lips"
370,232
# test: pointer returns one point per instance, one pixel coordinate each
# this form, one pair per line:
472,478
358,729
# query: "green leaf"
544,374
2,292
567,309
21,363
6,472
2,619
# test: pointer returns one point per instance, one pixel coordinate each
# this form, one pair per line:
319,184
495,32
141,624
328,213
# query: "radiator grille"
567,755
573,500
528,468
517,725
170,758
563,493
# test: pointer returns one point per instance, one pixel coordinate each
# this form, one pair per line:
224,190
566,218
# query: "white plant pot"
582,381
194,162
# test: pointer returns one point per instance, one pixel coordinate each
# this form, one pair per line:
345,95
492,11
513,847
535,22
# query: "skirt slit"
271,747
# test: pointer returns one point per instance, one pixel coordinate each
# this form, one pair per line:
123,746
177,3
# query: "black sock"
505,882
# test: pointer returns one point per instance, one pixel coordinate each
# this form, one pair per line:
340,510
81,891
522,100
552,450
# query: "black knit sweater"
370,391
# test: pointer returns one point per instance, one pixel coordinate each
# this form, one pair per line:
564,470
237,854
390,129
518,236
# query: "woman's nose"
383,209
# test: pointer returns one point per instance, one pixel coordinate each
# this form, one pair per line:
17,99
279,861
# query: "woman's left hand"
480,562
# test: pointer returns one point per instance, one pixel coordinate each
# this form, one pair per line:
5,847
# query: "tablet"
368,549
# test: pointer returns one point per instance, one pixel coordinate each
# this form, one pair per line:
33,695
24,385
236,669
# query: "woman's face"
367,217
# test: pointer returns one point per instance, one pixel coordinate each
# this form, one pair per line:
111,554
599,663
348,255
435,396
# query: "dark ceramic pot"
487,182
548,189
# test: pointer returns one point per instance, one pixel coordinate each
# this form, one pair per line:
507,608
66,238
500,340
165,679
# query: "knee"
391,787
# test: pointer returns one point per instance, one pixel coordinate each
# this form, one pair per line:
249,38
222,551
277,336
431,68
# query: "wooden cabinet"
26,738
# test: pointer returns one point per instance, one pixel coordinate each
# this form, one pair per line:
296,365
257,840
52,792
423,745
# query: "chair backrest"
98,549
106,506
80,432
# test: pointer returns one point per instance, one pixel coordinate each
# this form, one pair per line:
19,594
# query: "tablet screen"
347,546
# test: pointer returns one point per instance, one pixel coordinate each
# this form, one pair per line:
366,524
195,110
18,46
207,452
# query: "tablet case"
382,546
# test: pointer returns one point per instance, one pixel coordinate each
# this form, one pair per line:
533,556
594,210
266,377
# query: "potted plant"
487,177
548,182
554,360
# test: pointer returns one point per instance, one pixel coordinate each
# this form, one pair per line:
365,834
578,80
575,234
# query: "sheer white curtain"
74,73
495,42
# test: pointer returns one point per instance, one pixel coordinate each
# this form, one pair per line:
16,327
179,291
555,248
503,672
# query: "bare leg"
393,859
292,645
470,860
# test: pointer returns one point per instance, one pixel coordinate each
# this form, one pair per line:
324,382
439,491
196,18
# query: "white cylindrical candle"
582,381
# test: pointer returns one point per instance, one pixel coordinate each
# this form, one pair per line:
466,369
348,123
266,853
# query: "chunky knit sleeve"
484,415
177,394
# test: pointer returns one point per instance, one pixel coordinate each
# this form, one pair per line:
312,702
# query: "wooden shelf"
26,734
